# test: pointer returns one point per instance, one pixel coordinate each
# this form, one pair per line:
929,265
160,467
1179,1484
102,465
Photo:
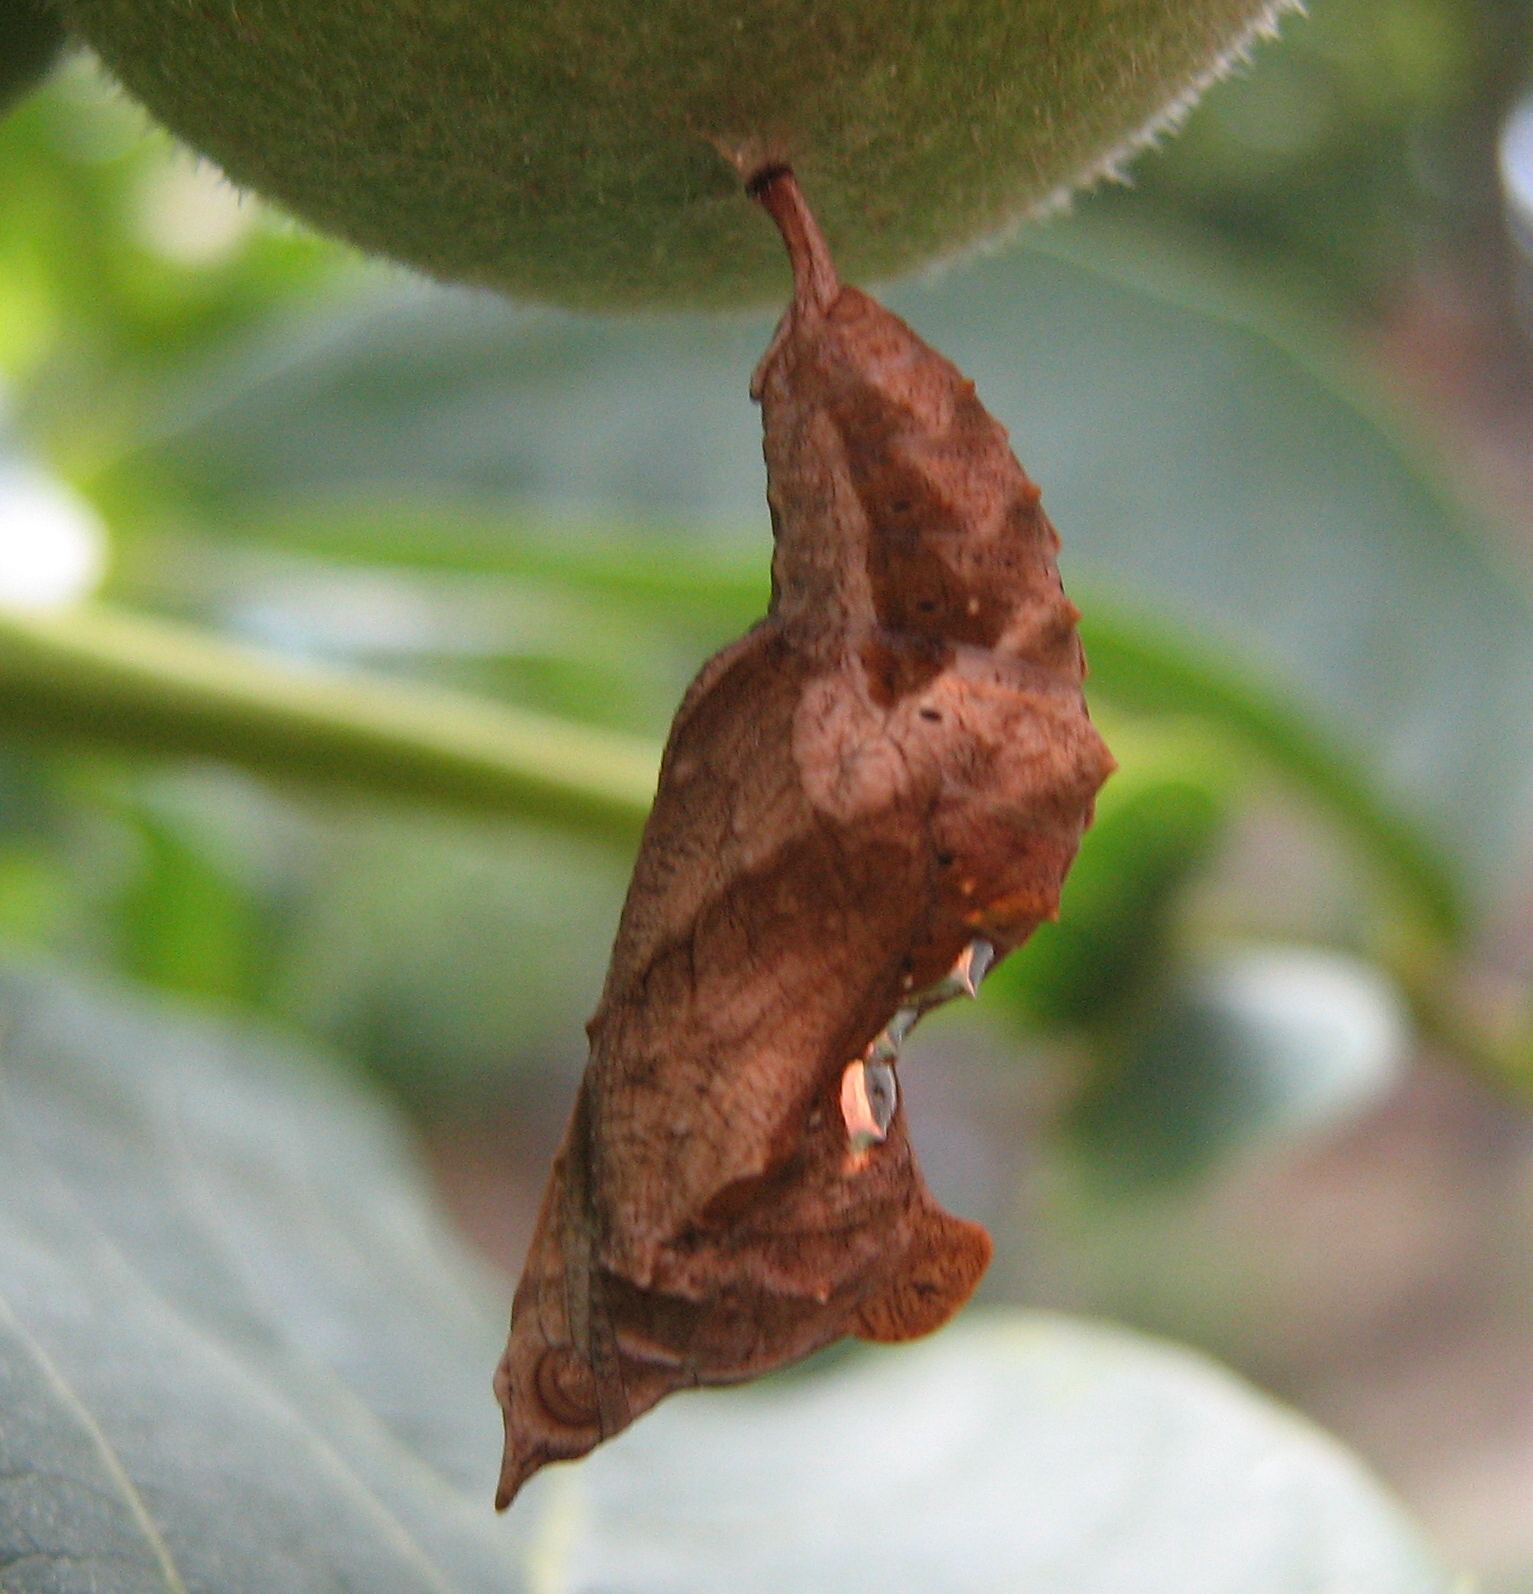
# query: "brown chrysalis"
864,801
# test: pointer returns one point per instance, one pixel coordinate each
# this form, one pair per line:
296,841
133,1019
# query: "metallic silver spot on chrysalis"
869,1096
963,978
974,962
886,1046
882,1092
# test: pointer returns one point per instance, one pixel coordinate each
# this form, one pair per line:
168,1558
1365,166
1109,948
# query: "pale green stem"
96,676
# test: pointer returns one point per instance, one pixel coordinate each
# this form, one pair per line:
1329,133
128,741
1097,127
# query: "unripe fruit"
30,37
569,149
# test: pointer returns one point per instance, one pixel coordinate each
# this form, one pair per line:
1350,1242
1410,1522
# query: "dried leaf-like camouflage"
864,801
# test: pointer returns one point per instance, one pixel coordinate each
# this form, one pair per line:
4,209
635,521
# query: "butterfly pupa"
866,799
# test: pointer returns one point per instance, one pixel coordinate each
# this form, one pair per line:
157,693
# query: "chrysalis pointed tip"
512,1477
516,1467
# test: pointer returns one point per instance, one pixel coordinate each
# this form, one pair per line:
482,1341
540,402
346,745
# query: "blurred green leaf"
103,678
521,635
121,255
457,960
1252,1049
1158,822
1141,664
1029,1452
241,1354
1189,458
185,921
1359,149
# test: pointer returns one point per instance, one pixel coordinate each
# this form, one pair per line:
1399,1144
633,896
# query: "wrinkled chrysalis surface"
864,802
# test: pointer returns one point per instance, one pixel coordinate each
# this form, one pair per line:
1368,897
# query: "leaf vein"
56,1379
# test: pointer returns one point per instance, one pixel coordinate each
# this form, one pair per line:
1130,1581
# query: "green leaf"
1158,822
459,961
1189,458
1252,1049
238,1353
1014,1451
183,920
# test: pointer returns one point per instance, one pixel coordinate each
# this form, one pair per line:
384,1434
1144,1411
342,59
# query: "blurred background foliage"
344,616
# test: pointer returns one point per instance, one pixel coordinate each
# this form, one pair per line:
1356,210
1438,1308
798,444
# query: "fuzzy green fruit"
568,149
31,36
